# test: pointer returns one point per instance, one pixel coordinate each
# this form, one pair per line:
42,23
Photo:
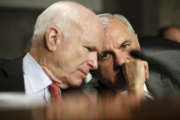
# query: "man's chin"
76,83
64,87
115,84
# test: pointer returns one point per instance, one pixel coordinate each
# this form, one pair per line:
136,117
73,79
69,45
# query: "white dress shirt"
147,93
35,79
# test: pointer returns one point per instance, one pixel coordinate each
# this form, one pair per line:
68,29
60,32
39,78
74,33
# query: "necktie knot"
54,91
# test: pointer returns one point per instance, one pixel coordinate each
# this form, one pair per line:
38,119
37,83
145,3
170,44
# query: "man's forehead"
95,42
116,33
116,28
114,39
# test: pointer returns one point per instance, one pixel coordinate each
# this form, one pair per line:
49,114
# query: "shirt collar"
38,79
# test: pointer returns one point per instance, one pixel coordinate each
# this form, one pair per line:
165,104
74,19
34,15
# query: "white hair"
106,17
63,15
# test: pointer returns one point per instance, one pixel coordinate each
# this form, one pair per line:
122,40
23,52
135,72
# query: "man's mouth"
83,72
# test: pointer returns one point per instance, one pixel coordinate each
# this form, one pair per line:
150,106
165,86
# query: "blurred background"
17,18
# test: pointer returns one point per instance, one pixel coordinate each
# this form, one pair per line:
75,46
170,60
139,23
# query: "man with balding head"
64,49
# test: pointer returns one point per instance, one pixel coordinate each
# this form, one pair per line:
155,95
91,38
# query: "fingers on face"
134,68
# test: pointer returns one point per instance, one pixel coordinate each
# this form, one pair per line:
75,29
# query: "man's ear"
53,37
138,47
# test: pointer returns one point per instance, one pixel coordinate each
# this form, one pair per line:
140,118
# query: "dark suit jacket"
11,76
164,65
163,57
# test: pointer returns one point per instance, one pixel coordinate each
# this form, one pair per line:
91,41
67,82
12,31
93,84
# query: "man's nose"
93,62
121,58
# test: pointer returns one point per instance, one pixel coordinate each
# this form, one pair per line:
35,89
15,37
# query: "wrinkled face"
116,46
77,55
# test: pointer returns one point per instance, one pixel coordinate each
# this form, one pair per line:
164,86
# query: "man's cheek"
105,67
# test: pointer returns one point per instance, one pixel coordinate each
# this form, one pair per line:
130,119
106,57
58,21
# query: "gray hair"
106,17
62,15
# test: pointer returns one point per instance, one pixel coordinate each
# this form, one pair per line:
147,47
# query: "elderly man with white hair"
119,73
67,38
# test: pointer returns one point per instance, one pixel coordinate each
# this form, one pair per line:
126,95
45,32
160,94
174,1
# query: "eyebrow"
108,51
93,48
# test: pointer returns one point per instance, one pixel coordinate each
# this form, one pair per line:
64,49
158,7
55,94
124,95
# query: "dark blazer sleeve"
164,78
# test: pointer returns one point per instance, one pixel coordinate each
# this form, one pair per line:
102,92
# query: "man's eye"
125,45
104,56
89,49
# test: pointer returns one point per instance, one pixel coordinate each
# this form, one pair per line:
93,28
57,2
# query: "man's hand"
136,73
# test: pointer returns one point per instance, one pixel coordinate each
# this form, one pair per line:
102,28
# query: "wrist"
136,88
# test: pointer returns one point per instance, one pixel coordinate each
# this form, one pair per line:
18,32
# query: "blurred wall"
159,13
17,21
18,18
149,17
169,12
131,9
16,29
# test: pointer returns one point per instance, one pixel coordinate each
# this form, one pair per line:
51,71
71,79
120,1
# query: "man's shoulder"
164,61
10,64
11,74
3,61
